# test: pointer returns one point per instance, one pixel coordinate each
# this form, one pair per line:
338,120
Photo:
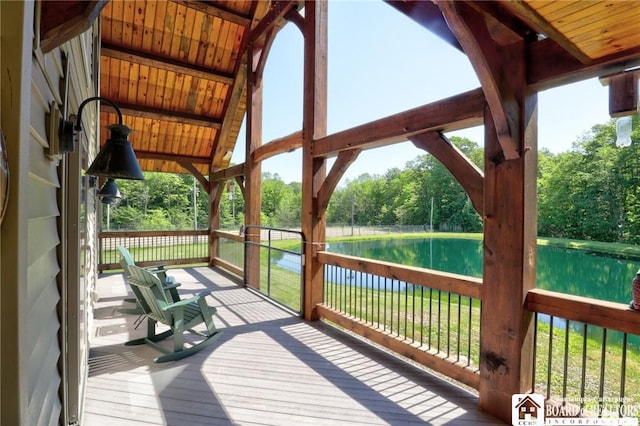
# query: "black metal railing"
153,247
281,264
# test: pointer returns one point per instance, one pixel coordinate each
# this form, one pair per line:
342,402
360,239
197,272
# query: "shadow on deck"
268,368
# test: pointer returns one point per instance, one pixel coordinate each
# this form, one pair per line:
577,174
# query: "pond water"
575,272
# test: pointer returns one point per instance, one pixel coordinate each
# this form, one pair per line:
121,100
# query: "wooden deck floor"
268,368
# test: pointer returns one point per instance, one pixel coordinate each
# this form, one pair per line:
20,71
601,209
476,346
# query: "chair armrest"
171,286
185,302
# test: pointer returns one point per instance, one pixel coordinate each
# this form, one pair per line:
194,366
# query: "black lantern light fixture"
109,192
116,159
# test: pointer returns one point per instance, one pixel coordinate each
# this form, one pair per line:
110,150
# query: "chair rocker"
168,282
180,316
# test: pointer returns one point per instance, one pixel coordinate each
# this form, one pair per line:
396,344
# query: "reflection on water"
567,271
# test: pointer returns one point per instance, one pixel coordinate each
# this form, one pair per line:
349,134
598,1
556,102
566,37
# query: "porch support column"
215,194
313,169
510,221
253,169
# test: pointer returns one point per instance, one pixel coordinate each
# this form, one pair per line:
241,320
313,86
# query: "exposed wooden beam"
342,163
152,155
196,173
470,177
60,21
273,19
278,146
228,173
550,65
314,122
155,61
162,115
454,113
471,30
218,12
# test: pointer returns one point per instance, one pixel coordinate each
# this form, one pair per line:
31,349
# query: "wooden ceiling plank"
161,85
223,35
134,78
159,62
628,24
213,43
149,22
454,113
143,85
534,20
209,9
152,86
168,27
138,24
179,23
194,38
124,82
227,53
187,98
127,20
603,19
175,89
117,20
158,26
162,115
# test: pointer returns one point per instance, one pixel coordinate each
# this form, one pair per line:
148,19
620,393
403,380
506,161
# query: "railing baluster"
583,379
566,361
623,371
602,363
550,357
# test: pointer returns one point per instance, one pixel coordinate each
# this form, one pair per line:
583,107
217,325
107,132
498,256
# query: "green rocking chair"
180,316
168,282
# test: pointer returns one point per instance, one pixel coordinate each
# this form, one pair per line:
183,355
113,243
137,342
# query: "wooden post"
313,169
510,221
253,170
214,217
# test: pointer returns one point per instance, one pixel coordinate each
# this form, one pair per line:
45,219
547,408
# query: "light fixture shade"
116,159
109,193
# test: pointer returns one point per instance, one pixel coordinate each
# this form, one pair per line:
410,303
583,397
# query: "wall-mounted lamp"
116,158
109,193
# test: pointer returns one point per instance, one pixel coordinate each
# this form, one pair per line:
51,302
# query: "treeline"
590,192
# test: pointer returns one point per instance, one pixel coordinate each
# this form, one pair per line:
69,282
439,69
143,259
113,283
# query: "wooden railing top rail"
454,283
132,234
228,235
601,313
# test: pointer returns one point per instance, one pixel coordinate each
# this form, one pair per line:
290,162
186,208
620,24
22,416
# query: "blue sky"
374,72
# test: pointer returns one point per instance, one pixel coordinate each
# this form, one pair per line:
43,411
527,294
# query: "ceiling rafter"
156,61
217,11
135,110
154,155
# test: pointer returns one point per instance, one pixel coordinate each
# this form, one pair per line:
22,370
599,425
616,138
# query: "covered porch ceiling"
177,69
